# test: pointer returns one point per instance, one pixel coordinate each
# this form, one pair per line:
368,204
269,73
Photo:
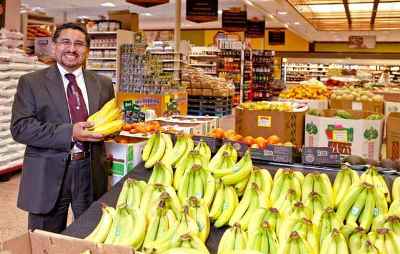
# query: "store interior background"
302,40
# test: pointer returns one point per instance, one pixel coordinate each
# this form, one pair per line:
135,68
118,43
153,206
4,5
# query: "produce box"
355,136
126,154
39,241
312,104
207,123
370,106
194,128
320,156
162,104
289,126
393,136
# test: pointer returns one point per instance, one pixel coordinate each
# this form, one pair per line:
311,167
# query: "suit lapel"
93,91
57,93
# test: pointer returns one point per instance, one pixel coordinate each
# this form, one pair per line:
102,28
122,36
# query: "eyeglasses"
68,43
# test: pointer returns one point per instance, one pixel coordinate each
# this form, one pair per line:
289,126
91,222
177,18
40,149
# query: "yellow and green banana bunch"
391,222
317,203
237,173
191,158
384,240
128,228
396,189
295,244
99,234
204,150
317,183
372,176
107,120
252,200
327,223
263,239
344,179
334,243
224,204
161,174
199,212
233,239
272,216
159,148
286,188
131,193
361,205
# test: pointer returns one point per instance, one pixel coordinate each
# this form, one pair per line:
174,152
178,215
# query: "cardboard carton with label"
355,136
393,136
370,106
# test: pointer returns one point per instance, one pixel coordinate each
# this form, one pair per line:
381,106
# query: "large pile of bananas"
108,119
189,190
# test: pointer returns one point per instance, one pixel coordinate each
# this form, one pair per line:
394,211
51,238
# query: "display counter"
88,220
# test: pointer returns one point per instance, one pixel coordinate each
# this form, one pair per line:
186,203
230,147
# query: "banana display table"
88,220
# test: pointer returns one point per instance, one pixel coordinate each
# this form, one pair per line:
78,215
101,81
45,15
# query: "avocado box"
353,136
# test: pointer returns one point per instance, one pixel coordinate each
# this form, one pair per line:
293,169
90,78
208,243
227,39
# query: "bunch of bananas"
287,213
396,189
107,120
345,178
372,176
361,204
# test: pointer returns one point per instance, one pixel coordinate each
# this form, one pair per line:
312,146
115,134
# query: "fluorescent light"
83,17
107,4
296,23
282,12
271,16
249,3
395,6
321,8
286,25
148,14
361,7
220,12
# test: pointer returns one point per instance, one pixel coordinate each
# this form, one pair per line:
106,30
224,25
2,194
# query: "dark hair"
73,26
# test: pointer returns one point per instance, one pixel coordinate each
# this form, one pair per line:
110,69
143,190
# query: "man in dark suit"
64,163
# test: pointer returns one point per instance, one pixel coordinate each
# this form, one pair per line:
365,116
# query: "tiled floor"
13,221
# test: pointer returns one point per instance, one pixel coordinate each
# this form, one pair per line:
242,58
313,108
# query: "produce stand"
88,220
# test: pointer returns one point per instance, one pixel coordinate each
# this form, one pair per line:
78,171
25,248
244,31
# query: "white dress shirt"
81,84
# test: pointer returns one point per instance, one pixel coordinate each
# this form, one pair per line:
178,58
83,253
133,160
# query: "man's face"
70,49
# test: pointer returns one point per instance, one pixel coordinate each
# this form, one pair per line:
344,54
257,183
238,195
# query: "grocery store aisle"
13,221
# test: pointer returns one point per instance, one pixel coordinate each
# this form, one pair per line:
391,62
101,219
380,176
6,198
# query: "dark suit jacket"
40,119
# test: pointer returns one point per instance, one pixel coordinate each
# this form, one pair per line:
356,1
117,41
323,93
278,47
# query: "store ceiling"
314,20
364,15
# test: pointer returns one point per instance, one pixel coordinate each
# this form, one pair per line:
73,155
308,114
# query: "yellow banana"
107,107
396,188
109,128
230,203
148,147
99,234
156,153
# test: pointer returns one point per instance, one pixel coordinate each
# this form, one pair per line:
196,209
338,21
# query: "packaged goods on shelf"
284,119
13,64
350,132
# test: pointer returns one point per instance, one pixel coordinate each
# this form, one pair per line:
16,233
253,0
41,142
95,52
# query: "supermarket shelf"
202,64
171,60
163,53
210,73
102,32
102,58
211,56
101,69
103,48
170,69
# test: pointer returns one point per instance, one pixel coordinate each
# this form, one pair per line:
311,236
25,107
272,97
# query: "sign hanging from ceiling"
255,29
276,37
200,11
362,42
234,20
147,3
2,13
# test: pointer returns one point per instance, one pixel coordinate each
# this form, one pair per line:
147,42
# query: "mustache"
70,52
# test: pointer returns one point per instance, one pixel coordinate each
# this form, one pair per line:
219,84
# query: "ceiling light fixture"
296,23
107,4
286,25
148,14
282,12
249,2
271,16
219,11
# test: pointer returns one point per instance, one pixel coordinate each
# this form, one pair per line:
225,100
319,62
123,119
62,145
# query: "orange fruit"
273,139
229,134
218,133
261,142
255,146
236,137
248,140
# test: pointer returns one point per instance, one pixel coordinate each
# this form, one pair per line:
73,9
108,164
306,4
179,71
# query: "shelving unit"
30,22
204,58
230,67
262,74
104,51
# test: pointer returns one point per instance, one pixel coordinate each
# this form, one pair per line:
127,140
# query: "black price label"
274,153
320,156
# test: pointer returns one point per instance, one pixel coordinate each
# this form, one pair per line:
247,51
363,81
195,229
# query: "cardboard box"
391,106
39,242
370,106
125,156
345,136
312,104
210,122
393,136
191,125
289,126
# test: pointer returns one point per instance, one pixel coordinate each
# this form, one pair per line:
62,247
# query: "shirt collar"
78,72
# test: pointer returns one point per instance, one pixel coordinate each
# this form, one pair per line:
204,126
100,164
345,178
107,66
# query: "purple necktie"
76,104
